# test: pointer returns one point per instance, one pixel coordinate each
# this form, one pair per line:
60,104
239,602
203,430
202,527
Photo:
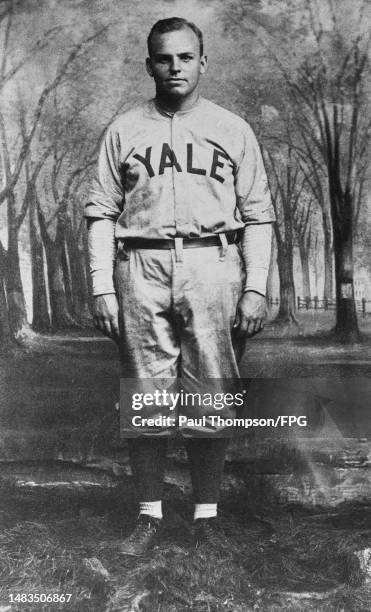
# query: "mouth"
175,80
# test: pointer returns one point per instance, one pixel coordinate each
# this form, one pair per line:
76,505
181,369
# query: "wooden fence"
363,305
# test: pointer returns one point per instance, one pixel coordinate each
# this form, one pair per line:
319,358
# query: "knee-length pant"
176,314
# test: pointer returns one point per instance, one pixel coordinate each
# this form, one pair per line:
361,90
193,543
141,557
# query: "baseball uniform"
179,177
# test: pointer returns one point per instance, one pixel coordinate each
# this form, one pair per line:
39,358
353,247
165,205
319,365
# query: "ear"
203,64
149,66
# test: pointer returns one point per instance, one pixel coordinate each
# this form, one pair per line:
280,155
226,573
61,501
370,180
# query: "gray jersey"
192,173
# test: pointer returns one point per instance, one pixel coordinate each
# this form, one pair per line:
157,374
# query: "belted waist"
187,243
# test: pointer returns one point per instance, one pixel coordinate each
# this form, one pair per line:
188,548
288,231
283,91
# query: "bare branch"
7,13
38,46
5,149
77,49
275,173
43,226
316,25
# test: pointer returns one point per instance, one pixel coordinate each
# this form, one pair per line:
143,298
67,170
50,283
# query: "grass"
65,539
281,559
312,323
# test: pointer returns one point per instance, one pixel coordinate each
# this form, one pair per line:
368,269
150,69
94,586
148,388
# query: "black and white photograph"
185,306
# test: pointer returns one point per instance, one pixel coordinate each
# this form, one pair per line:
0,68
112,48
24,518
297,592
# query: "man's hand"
106,310
250,315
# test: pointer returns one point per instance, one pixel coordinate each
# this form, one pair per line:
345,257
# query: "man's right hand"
106,310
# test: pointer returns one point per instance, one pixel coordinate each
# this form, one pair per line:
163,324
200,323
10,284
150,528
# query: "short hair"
173,24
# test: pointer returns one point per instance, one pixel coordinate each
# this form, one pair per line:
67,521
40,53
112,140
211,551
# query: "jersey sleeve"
256,245
251,183
106,194
102,250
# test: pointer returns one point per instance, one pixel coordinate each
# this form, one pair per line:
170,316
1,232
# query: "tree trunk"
81,297
60,316
6,338
87,270
285,261
40,319
328,257
304,259
286,312
16,303
346,317
80,294
67,281
316,272
270,291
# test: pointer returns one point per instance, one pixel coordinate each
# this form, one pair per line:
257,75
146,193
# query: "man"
180,182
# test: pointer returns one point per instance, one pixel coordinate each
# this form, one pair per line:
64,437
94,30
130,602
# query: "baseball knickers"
176,313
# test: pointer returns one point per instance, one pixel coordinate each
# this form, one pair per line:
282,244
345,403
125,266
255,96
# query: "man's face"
175,63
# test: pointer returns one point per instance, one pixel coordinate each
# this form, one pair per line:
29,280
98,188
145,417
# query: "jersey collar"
157,108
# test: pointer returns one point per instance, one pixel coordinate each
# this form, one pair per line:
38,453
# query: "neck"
174,104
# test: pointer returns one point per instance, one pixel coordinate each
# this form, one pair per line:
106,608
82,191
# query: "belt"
188,243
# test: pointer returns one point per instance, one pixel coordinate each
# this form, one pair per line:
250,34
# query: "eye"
162,59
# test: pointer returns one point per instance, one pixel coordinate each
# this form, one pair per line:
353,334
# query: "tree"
41,319
288,184
329,103
16,305
56,256
318,65
314,170
76,257
5,331
74,152
270,294
304,223
17,135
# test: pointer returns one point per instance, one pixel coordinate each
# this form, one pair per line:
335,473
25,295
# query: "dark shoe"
143,536
207,531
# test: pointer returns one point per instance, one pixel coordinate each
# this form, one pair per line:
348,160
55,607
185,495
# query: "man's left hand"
250,315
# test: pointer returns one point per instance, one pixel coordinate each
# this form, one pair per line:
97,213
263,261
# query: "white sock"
152,508
205,511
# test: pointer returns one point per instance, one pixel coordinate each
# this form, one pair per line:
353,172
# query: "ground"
281,559
307,350
59,534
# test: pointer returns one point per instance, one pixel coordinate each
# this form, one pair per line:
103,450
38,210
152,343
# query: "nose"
175,65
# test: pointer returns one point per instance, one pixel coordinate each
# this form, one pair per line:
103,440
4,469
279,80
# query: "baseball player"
179,225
